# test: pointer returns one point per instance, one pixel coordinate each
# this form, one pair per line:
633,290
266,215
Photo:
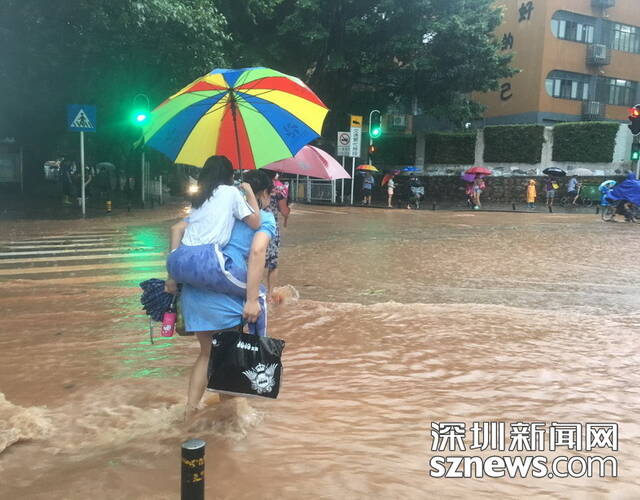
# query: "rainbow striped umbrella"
253,116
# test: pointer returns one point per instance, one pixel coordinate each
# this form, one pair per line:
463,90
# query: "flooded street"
405,318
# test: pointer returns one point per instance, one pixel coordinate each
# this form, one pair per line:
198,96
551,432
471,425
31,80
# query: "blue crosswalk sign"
81,117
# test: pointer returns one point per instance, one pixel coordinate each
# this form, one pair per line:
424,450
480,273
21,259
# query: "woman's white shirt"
213,222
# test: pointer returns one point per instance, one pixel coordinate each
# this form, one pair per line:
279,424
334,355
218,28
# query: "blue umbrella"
410,169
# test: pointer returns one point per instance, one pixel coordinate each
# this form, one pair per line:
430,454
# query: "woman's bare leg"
198,380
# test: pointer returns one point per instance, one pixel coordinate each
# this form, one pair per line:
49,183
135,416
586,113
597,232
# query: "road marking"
62,245
82,267
53,252
136,255
52,241
84,280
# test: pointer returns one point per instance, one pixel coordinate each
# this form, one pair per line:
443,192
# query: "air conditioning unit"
399,121
603,4
598,54
593,110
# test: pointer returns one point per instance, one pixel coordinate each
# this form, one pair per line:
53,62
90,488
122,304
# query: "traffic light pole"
371,134
142,179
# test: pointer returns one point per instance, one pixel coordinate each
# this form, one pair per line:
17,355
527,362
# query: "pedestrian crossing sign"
81,117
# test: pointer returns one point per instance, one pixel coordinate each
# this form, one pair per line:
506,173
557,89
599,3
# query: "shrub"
450,148
513,143
395,150
592,142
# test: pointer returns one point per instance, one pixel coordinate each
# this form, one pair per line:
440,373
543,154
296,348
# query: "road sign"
356,136
81,117
344,144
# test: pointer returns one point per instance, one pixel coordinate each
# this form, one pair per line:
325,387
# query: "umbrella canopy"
479,171
367,168
410,169
468,177
253,116
607,184
313,162
554,172
154,299
387,178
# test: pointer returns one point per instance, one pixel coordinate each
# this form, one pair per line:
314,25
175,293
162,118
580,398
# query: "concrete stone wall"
500,189
618,166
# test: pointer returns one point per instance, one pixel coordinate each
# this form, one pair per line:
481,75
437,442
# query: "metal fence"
314,190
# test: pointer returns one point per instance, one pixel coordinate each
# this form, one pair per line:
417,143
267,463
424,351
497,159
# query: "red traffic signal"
634,119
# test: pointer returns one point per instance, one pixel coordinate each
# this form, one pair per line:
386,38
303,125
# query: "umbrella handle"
151,331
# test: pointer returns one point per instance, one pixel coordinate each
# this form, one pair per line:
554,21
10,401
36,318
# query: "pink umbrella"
313,162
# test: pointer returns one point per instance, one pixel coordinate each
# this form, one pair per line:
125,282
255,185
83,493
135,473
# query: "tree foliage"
101,52
356,54
359,54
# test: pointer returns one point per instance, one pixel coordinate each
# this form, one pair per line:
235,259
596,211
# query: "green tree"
357,54
99,52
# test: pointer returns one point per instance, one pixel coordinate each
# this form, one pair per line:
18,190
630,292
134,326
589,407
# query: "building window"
569,26
625,38
566,85
617,92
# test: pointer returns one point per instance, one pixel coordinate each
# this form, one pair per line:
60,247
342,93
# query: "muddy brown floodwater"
405,318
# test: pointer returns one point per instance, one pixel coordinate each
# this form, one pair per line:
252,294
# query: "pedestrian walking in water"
550,188
478,187
222,217
573,189
67,177
367,188
391,186
416,188
531,194
277,205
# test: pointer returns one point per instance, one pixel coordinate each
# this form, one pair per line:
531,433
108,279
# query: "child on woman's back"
216,207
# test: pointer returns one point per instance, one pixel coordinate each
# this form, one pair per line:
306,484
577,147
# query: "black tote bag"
245,365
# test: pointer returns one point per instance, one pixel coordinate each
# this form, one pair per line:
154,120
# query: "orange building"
578,60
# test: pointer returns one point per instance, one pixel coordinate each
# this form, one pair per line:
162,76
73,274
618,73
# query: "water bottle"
169,320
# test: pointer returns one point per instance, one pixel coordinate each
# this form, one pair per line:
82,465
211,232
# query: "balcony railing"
598,54
593,110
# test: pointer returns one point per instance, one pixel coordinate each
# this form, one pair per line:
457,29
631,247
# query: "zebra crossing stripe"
54,252
36,260
57,240
96,234
88,280
62,245
83,267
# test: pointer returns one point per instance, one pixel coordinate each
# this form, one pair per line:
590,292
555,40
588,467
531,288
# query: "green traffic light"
635,155
376,132
139,117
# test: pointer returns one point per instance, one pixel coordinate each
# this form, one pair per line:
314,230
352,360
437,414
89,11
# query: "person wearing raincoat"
531,194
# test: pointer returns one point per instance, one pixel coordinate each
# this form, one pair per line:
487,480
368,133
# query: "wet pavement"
405,318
